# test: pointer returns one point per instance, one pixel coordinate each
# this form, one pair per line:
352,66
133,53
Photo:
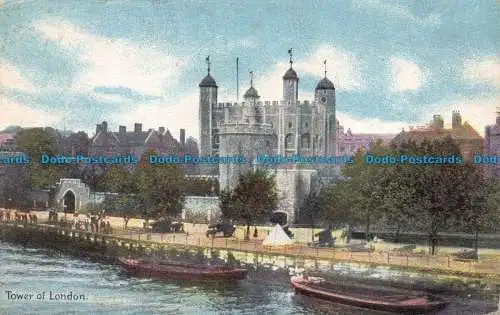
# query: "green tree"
336,205
311,209
161,188
362,195
15,188
255,197
201,187
36,142
118,179
479,207
227,204
429,197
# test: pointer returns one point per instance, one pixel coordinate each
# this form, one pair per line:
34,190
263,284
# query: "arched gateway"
71,195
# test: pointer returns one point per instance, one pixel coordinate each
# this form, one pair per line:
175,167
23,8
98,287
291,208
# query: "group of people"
91,223
8,216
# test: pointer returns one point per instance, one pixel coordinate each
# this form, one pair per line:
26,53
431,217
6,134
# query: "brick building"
492,145
468,139
138,141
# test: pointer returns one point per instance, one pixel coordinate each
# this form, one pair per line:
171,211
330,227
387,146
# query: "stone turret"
208,103
290,83
456,120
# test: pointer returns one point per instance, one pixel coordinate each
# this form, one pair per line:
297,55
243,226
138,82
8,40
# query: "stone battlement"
265,104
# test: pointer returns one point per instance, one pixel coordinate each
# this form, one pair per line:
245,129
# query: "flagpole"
237,80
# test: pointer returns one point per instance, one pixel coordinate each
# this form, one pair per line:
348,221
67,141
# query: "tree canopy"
254,198
416,197
160,188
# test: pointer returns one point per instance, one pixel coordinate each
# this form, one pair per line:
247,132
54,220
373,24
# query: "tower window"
289,125
307,125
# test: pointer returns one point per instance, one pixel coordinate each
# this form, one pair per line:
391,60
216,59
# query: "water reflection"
110,290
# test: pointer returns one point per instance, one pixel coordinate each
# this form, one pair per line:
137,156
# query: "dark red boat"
367,297
178,271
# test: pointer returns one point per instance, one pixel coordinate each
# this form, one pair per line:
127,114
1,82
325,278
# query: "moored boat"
375,298
172,270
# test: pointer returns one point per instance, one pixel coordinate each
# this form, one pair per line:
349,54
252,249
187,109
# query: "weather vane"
208,64
291,55
251,78
325,67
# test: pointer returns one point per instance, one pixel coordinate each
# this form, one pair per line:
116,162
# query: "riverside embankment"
237,251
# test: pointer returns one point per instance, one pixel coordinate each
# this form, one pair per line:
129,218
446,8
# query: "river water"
42,277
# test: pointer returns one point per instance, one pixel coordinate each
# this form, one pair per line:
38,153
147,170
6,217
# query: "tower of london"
285,127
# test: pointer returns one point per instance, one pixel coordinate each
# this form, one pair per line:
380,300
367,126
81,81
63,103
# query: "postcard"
265,157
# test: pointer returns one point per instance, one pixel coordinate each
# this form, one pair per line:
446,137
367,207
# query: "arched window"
289,141
305,141
289,125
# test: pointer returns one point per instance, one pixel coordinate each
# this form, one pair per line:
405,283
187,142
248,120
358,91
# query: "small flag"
290,50
208,58
324,62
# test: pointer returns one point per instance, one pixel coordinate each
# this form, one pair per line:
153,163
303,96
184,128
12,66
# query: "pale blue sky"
72,64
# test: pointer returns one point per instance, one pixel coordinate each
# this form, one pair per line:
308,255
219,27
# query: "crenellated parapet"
265,104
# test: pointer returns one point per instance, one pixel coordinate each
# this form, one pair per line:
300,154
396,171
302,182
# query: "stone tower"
247,136
208,102
324,95
290,84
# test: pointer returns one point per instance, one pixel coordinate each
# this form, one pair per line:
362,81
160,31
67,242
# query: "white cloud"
14,113
174,115
369,125
109,98
113,62
11,77
398,11
485,70
406,75
342,66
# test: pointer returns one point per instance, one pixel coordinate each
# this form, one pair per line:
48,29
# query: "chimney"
137,128
456,120
122,129
104,126
98,128
437,122
183,137
161,130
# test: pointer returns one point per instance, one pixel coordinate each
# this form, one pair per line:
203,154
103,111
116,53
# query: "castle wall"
294,186
303,125
243,140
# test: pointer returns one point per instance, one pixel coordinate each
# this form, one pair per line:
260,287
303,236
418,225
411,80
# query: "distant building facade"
7,141
492,145
349,143
138,142
468,139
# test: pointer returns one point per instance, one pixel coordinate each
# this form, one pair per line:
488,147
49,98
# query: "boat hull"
175,271
391,303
